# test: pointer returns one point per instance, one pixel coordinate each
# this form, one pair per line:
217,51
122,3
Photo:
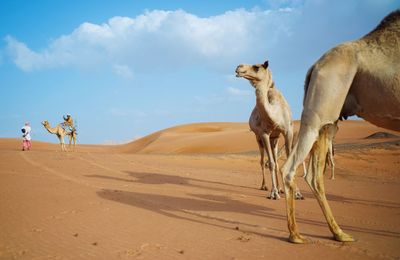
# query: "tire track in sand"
56,173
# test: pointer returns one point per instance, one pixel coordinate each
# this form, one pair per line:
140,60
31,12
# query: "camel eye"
255,68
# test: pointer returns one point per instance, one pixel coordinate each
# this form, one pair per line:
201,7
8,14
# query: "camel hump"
389,25
391,20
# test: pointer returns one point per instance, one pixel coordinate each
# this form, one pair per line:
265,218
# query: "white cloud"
158,39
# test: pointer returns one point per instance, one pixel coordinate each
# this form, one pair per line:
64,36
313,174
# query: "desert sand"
191,192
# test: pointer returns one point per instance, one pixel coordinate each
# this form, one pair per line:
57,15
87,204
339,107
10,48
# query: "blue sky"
125,69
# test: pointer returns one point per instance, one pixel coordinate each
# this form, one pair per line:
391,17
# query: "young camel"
270,118
60,132
360,78
329,160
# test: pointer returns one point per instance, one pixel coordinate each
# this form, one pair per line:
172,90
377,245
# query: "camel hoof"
263,188
298,196
298,239
274,195
343,237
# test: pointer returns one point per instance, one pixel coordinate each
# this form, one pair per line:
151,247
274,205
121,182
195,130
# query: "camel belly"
378,99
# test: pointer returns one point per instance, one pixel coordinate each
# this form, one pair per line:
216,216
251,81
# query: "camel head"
254,73
45,123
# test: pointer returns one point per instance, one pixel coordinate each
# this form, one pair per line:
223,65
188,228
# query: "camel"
270,118
60,132
329,161
360,77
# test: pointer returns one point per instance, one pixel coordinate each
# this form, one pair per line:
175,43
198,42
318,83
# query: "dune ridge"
232,138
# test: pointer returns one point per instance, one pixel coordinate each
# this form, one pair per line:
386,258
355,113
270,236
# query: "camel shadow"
161,179
365,202
349,200
203,208
198,209
157,178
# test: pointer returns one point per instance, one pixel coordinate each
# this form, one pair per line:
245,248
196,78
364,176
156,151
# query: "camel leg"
65,147
69,141
315,180
304,170
274,192
331,161
71,145
308,136
74,138
295,138
275,150
262,162
61,138
288,148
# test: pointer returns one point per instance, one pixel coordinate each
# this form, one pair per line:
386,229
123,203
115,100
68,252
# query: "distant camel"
270,118
360,77
60,132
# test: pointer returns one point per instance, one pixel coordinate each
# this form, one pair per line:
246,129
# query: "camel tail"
307,82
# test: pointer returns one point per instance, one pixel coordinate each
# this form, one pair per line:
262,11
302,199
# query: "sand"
191,192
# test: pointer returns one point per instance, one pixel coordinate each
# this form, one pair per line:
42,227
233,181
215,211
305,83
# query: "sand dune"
191,192
229,138
197,138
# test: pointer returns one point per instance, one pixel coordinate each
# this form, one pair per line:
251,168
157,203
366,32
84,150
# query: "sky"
127,68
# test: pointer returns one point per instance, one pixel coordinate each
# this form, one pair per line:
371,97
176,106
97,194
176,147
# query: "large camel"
61,133
270,118
360,77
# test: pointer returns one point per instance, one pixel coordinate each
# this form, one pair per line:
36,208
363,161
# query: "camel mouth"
240,73
244,74
249,77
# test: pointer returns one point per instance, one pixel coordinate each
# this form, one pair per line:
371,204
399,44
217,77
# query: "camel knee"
288,178
271,165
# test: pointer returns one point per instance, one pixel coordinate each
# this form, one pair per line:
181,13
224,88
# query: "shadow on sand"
204,208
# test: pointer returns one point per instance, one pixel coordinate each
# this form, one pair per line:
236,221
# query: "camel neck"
51,130
262,89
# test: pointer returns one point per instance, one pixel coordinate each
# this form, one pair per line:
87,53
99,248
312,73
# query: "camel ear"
265,65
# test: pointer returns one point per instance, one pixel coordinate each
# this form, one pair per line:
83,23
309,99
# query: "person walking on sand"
26,137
